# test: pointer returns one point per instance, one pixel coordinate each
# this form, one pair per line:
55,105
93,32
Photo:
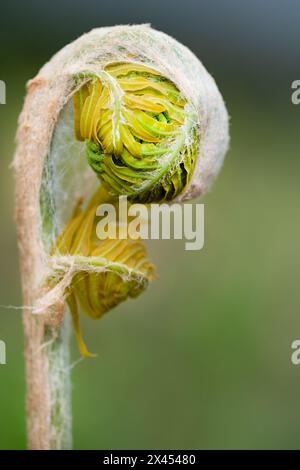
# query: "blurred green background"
202,359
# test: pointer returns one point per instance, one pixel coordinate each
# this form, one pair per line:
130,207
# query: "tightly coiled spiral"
140,132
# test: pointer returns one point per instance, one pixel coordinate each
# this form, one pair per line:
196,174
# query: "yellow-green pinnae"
112,270
140,132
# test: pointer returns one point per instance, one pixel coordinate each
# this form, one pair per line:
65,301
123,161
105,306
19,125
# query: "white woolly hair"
47,151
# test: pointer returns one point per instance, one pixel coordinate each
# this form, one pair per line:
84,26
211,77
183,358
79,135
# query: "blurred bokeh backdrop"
202,359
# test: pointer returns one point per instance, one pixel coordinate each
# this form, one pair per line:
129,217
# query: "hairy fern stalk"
121,111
